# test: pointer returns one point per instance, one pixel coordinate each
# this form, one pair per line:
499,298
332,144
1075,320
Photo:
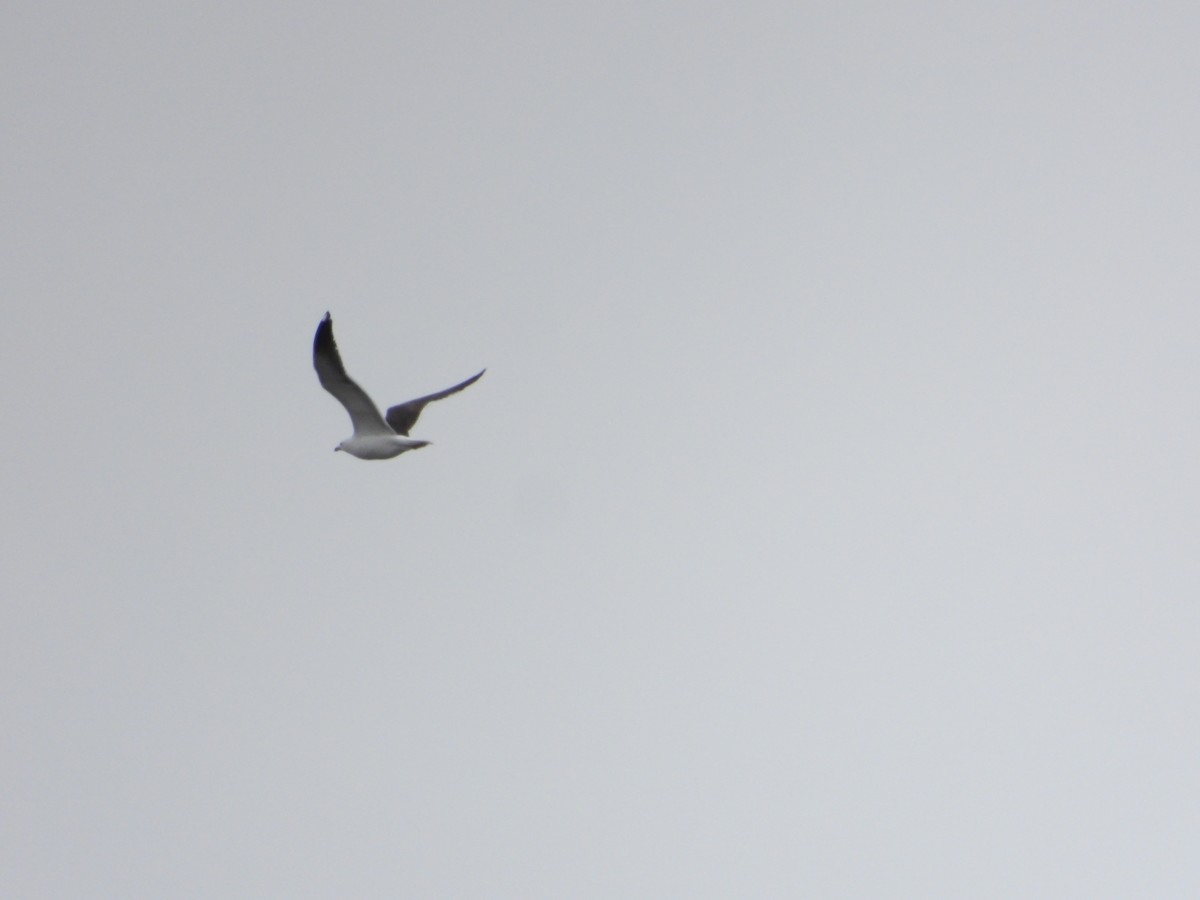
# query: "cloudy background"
825,525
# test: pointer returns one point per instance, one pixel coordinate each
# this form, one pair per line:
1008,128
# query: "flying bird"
375,436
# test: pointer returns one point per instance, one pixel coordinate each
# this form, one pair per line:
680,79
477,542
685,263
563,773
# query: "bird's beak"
336,449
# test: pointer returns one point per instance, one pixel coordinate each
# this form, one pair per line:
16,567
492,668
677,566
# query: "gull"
375,436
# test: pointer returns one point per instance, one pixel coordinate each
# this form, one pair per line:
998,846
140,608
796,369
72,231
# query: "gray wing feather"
364,414
403,416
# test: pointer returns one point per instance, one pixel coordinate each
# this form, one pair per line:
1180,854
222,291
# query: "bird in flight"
375,436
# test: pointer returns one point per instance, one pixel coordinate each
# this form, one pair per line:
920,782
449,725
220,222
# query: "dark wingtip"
323,343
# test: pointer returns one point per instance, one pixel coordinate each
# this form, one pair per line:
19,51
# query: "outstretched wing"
403,416
364,414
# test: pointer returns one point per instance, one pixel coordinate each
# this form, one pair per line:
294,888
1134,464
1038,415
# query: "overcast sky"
825,526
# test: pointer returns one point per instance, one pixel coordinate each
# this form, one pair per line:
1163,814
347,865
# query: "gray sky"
826,524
